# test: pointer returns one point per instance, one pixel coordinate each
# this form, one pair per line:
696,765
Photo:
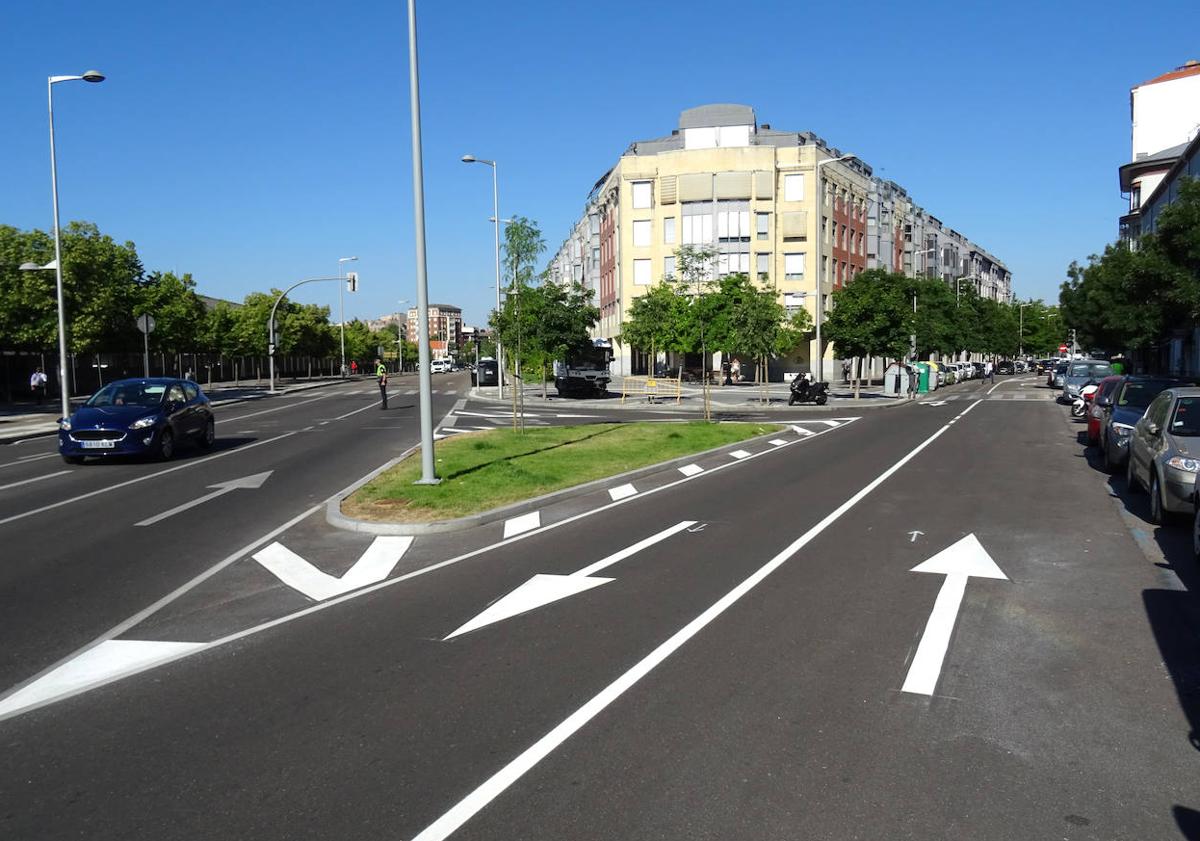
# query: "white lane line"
799,430
622,491
356,411
739,454
410,392
138,479
34,479
777,442
499,782
524,523
224,419
691,469
28,459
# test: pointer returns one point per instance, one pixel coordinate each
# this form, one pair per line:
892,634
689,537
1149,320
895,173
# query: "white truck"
585,374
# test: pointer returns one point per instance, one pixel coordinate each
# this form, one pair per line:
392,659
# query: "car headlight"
1189,465
1122,429
142,423
64,424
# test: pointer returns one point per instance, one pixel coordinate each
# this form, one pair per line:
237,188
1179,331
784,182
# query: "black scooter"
803,391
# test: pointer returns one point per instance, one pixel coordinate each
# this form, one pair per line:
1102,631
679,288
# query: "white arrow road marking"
933,402
622,491
105,662
524,523
222,488
913,536
739,454
691,469
965,559
544,589
375,564
801,431
34,479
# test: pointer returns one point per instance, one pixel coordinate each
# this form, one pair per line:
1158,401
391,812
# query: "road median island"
481,471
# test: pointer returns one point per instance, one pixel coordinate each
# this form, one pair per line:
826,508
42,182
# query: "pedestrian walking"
353,368
846,372
37,384
989,371
381,375
735,370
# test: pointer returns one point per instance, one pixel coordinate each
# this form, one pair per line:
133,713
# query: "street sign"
1063,348
145,323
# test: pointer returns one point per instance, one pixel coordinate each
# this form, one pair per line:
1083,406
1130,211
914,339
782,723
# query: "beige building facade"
753,195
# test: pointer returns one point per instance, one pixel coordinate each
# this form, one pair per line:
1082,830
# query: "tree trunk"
544,381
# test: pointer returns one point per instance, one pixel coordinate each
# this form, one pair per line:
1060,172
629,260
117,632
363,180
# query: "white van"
439,366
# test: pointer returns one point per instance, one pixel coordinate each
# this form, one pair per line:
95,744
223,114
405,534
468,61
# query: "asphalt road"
746,654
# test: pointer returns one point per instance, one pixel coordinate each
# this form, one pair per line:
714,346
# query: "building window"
733,225
763,225
641,195
641,273
669,266
669,230
793,302
697,230
763,265
793,186
793,266
641,233
595,256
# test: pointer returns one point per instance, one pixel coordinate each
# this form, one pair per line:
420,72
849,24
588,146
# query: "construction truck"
585,372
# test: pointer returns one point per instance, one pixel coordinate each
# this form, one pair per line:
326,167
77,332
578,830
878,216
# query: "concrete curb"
668,405
9,437
335,517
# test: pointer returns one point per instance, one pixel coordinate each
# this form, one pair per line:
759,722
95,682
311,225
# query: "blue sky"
254,143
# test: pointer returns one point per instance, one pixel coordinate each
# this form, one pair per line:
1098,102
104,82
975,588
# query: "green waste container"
923,377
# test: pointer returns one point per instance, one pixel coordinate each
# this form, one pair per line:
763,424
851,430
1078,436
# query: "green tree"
871,317
656,321
179,314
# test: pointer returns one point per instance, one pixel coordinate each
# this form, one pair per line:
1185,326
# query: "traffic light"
351,281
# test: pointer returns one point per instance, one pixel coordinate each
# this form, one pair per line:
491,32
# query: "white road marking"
799,430
965,559
691,469
777,442
27,459
525,522
245,483
144,478
622,491
34,479
288,407
913,536
102,664
739,454
543,589
495,785
410,392
356,411
374,565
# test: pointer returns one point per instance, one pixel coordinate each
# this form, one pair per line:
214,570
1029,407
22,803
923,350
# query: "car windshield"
1137,394
128,394
1186,420
1090,370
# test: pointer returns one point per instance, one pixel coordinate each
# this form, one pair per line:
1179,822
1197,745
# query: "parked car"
137,417
486,373
1058,373
1122,414
1006,366
1101,401
1164,452
1080,373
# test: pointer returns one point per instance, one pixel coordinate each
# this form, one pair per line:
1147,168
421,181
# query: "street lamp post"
271,326
400,331
1021,337
93,76
471,159
341,308
820,188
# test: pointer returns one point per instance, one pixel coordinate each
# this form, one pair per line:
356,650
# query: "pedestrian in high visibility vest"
381,375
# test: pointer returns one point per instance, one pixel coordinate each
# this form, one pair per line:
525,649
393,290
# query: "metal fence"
87,372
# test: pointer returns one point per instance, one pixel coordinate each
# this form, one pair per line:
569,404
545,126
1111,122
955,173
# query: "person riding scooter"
804,389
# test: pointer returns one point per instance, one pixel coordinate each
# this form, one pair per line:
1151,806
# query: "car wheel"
166,445
1158,514
1196,533
209,435
73,459
1131,482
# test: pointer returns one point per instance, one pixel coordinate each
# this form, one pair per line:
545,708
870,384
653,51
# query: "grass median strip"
486,470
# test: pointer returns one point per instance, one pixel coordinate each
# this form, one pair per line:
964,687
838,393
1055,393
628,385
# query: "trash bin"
895,380
925,378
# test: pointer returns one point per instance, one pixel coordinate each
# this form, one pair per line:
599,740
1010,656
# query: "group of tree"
880,313
1131,297
106,287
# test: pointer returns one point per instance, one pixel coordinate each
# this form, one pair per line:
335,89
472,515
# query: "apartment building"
756,197
445,329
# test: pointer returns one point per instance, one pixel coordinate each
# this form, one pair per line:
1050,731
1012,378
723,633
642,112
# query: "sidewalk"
29,420
740,398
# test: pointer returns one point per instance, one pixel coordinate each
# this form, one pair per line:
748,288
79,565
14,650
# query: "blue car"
137,418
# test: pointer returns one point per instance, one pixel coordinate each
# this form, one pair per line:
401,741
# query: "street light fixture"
93,76
471,159
820,287
342,309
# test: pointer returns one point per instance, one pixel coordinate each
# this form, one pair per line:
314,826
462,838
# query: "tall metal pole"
342,317
64,391
428,476
496,212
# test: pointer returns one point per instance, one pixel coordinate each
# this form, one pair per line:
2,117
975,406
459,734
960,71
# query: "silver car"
1080,373
1164,452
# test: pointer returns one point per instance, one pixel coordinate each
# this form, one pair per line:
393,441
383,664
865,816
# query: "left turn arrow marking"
375,564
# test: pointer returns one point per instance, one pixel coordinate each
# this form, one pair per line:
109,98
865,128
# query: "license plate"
98,445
